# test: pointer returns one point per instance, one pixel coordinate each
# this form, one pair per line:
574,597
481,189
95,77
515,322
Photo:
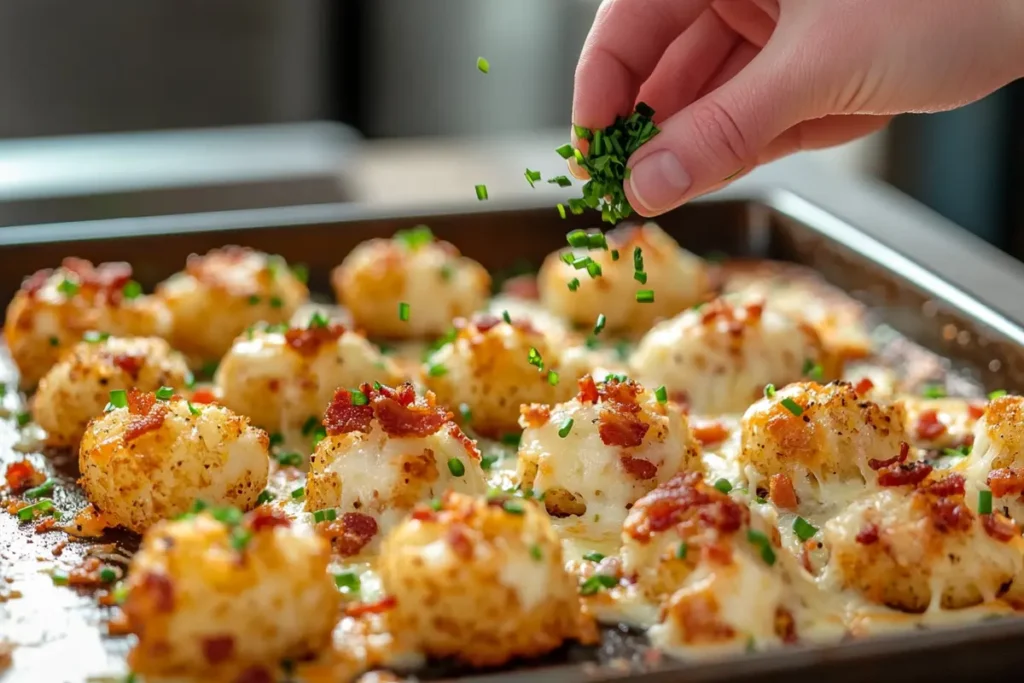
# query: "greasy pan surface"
982,345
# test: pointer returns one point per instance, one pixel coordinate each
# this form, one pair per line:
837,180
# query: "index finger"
623,47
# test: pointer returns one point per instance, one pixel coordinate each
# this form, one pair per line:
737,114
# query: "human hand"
738,83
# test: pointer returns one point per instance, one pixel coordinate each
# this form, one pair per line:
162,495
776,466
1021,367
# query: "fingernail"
658,181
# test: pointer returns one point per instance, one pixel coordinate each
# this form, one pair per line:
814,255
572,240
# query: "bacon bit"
785,626
864,386
716,553
619,424
130,364
709,432
58,549
265,517
639,468
685,499
208,268
149,414
535,414
106,279
22,475
307,341
951,485
485,322
467,443
880,464
422,513
205,396
45,525
358,609
155,593
588,390
868,535
781,492
1000,527
460,542
255,674
975,411
929,426
1005,481
217,649
950,514
351,533
36,281
903,474
401,416
342,417
522,287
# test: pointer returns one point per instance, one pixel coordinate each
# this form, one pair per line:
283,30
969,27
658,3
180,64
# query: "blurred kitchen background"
107,106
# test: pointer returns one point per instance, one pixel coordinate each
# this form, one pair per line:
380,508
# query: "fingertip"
576,170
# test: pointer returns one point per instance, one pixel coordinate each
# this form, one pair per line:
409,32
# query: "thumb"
719,134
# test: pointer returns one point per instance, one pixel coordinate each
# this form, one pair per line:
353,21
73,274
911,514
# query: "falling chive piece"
638,259
532,177
566,427
506,317
661,393
682,550
533,357
640,276
456,467
998,393
769,391
599,325
934,391
553,378
803,529
536,553
792,406
481,192
573,284
119,398
561,210
761,541
984,502
483,65
403,311
645,296
812,370
561,181
723,485
164,393
615,254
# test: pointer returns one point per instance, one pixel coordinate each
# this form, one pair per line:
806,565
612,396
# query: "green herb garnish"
803,529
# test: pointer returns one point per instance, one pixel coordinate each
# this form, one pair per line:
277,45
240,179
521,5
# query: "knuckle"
718,131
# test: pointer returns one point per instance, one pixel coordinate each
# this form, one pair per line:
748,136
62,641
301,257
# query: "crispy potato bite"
222,593
679,280
54,309
924,548
220,294
495,367
430,276
996,461
385,451
152,459
279,377
822,436
480,580
76,389
718,358
598,453
690,543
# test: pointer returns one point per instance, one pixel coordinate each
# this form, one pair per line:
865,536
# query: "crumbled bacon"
1000,527
785,626
522,287
217,649
147,414
904,474
929,426
204,396
106,279
588,390
467,443
358,609
422,513
868,535
535,414
22,475
255,674
1006,481
401,418
485,322
951,485
264,517
709,431
781,492
639,468
45,525
864,386
460,542
130,364
353,533
950,514
685,498
619,423
308,340
155,593
36,281
343,416
975,411
716,553
880,464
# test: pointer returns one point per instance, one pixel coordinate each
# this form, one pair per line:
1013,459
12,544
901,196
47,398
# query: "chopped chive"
594,269
227,515
532,177
597,583
533,357
536,553
998,393
192,409
483,65
661,394
94,337
563,431
593,556
44,489
792,406
565,151
761,541
506,317
513,507
599,325
276,302
552,378
561,210
760,500
318,319
934,391
812,370
59,578
466,413
264,497
131,290
615,254
437,370
197,507
403,311
597,240
325,515
577,239
446,272
276,439
481,192
301,273
254,299
561,181
347,582
723,485
319,434
415,237
645,296
581,132
240,539
42,507
958,452
164,393
299,492
289,459
803,529
769,391
119,398
456,467
54,341
511,439
309,425
434,504
487,462
681,550
984,502
23,418
640,276
638,259
68,287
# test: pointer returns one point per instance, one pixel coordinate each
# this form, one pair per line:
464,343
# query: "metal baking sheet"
924,298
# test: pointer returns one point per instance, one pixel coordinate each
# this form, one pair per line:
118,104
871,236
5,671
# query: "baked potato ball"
219,592
923,548
222,293
479,579
718,358
280,377
996,461
76,389
678,278
698,553
150,458
55,309
385,451
429,276
941,423
495,366
820,437
595,455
